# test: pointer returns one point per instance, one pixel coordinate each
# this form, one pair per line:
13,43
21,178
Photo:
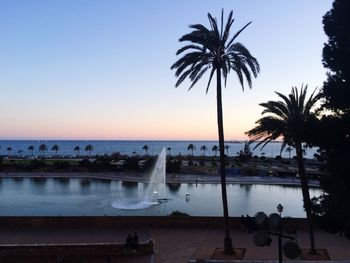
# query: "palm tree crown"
77,149
213,49
285,119
55,148
89,148
42,148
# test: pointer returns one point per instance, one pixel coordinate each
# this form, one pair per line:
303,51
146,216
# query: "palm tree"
31,148
191,148
77,149
212,48
9,149
289,150
145,147
215,150
204,148
227,147
89,148
289,119
42,148
169,149
55,148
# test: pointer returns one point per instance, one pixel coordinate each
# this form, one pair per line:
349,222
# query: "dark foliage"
173,166
332,134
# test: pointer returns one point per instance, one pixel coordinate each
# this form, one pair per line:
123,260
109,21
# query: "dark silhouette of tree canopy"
191,148
215,150
31,149
213,49
42,148
333,133
77,149
89,148
290,119
289,150
336,56
55,148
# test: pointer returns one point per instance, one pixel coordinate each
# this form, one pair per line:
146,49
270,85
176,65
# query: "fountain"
156,189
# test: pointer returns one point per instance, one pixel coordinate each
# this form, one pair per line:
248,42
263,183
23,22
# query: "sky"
88,69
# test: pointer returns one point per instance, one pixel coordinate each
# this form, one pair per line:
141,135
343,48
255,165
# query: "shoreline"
170,178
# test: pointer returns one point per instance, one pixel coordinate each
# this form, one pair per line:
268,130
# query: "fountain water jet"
156,188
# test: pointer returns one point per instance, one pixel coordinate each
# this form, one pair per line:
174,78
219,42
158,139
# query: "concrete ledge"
121,221
74,249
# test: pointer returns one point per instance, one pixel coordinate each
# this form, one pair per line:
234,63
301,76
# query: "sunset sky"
101,69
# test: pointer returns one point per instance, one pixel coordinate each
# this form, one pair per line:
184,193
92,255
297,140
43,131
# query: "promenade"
172,245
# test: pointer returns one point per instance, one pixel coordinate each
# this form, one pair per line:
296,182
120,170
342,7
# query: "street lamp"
280,210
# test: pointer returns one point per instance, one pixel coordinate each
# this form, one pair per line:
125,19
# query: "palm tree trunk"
228,249
306,195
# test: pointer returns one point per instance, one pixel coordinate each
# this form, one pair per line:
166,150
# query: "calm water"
20,147
29,196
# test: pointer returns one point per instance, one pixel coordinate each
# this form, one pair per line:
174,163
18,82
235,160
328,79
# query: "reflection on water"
82,196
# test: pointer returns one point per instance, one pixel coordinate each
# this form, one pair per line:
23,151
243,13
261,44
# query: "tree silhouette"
89,148
212,49
77,149
169,149
9,149
191,148
55,148
43,148
289,119
31,148
227,147
204,148
145,147
289,150
215,150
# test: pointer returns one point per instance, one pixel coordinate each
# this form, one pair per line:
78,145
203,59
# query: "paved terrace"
172,244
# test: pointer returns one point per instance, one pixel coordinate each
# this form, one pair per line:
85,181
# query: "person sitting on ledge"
128,243
135,242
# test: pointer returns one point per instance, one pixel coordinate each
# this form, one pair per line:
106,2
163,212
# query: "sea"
132,147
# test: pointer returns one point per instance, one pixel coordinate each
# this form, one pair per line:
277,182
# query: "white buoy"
187,196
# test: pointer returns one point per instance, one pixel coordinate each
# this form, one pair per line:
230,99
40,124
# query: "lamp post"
280,210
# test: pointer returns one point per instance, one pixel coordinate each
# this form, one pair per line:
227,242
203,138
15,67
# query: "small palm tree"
215,150
213,49
191,148
169,150
289,150
289,119
204,148
31,148
145,147
227,147
89,148
9,149
55,148
42,148
77,149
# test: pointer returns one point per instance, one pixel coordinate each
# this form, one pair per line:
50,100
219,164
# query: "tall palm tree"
204,148
55,148
9,149
213,49
215,150
145,147
42,148
289,119
89,148
191,148
31,148
227,147
77,149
